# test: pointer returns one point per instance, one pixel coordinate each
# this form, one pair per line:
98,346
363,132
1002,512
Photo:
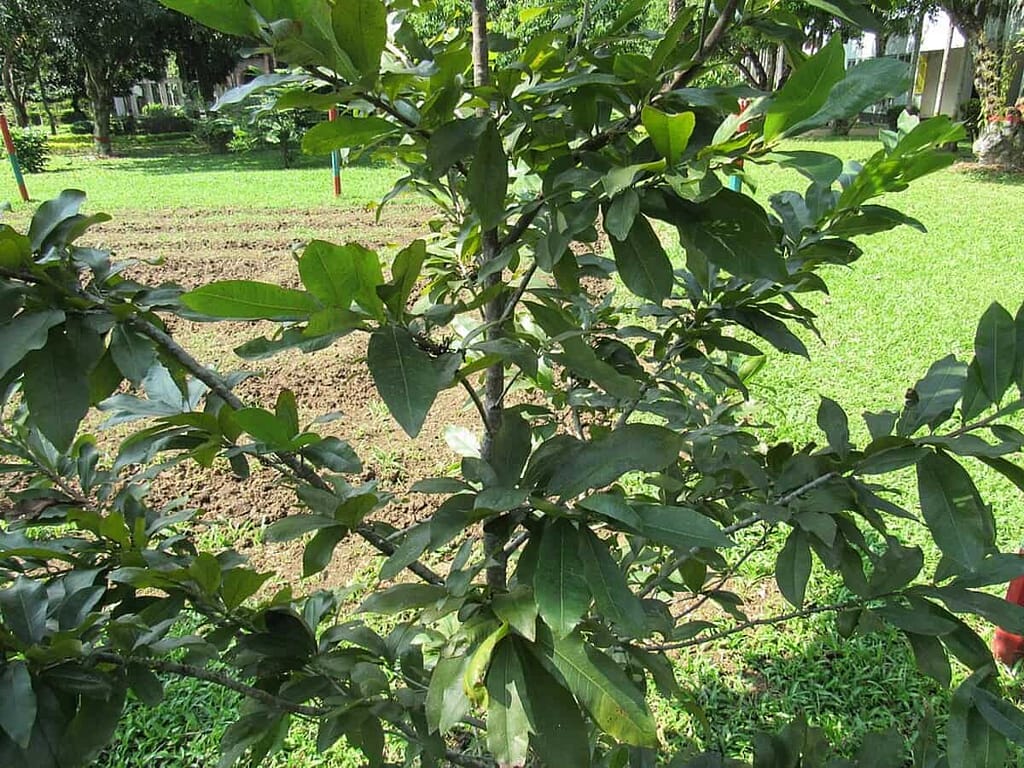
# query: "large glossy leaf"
669,133
934,396
25,333
56,389
406,377
642,262
52,214
488,178
360,27
17,703
23,605
865,84
347,132
634,447
235,17
606,580
250,300
680,527
559,584
508,724
446,703
257,85
601,687
339,275
953,510
560,735
732,231
807,89
793,567
995,348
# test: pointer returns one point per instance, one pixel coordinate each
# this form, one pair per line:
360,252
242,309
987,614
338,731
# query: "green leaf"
52,214
642,262
634,447
405,376
866,83
405,271
1001,715
559,585
971,741
452,142
335,454
852,11
360,27
446,702
508,725
816,166
518,609
806,90
995,348
294,526
601,686
618,220
936,395
56,390
346,132
17,703
25,333
24,605
931,658
510,449
250,300
833,422
669,133
952,509
410,550
264,426
732,231
793,567
606,580
339,275
133,353
239,584
402,597
320,549
560,734
487,182
681,528
234,17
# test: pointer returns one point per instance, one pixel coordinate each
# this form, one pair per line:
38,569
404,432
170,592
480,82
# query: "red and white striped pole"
12,155
735,182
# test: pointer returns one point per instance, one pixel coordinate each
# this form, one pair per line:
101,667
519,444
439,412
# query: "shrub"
72,116
33,151
81,127
214,133
157,118
970,114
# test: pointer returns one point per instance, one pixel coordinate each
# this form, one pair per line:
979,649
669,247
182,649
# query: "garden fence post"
12,155
335,158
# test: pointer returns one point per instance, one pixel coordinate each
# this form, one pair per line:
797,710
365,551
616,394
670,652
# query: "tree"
985,27
205,57
23,43
116,41
618,482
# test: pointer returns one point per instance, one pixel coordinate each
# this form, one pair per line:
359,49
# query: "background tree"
25,38
117,42
204,56
985,25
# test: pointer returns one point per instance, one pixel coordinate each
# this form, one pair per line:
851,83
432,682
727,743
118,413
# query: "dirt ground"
197,247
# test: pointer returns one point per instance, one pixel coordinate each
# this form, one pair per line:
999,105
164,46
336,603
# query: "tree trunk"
46,103
674,6
101,96
988,64
16,98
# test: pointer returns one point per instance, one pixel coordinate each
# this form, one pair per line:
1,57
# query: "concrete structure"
945,72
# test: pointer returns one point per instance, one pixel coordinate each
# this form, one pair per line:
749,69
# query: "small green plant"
81,128
32,148
970,114
214,133
157,118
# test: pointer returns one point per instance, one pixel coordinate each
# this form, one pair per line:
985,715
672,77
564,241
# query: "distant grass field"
912,299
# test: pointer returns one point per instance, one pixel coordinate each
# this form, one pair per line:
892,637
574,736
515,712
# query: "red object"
1006,646
332,115
12,155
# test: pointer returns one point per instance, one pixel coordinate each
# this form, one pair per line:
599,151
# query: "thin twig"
207,675
779,619
475,398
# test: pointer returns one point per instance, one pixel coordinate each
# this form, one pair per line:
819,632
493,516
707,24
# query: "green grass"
160,175
910,300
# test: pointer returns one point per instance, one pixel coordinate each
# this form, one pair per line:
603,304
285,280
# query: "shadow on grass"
1000,176
847,687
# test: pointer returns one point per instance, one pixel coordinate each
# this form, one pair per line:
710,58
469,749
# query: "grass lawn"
912,299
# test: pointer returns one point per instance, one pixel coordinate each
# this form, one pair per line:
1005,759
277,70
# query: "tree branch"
297,469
